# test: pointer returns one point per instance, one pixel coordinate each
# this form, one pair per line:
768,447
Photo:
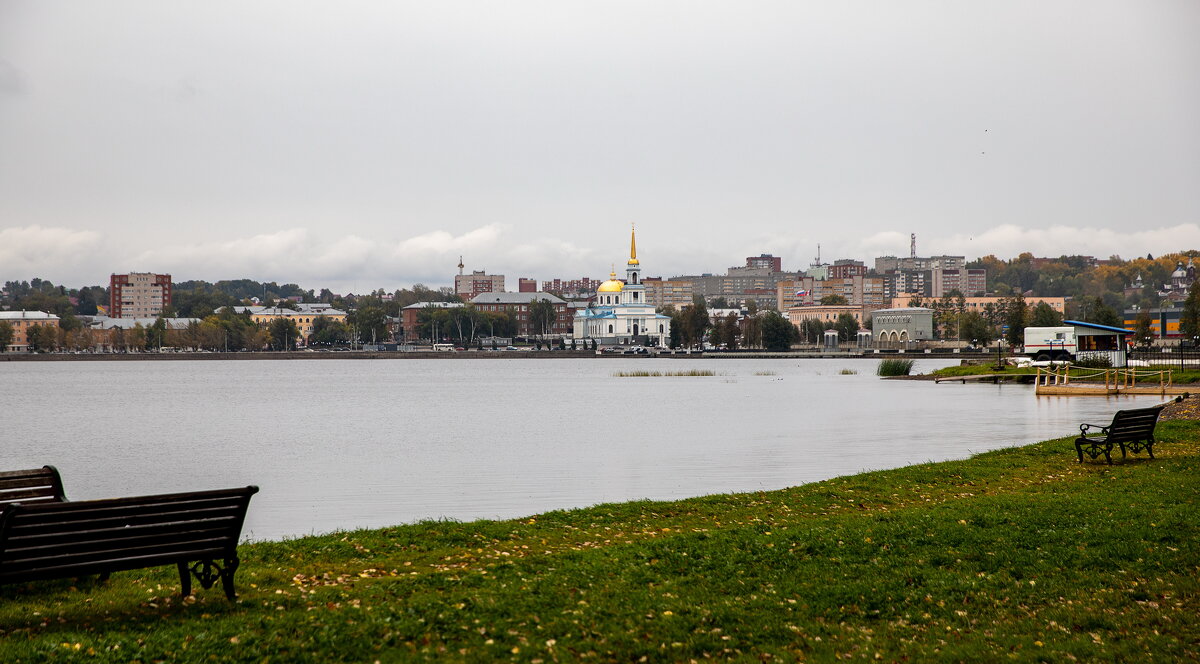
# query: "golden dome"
613,285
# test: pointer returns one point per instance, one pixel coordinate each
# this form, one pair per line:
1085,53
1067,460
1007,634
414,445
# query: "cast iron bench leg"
231,565
185,578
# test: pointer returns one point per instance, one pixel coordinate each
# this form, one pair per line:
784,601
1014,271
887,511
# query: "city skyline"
365,146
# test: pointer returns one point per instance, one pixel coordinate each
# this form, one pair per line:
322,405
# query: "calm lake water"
339,444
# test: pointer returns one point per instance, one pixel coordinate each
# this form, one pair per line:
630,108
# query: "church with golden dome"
620,314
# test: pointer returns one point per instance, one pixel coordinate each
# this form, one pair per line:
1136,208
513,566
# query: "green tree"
812,330
1015,315
283,333
370,324
833,299
542,316
329,331
1189,318
975,327
156,334
1143,329
846,326
1094,310
778,333
730,331
6,335
1044,315
696,320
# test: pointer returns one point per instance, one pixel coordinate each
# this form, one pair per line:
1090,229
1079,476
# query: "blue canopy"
1097,326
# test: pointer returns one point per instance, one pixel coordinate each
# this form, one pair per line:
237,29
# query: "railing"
1168,356
1114,379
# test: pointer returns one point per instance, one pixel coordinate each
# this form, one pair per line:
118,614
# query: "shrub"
1099,362
894,366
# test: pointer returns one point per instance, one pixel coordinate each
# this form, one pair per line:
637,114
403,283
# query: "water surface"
356,443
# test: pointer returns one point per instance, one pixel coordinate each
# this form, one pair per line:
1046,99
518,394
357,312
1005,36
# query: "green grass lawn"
1018,554
1178,377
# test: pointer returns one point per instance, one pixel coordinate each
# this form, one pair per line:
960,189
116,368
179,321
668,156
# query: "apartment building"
138,294
467,286
303,315
583,287
668,292
21,322
866,293
846,268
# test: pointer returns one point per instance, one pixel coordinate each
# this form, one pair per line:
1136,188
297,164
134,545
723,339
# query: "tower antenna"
460,265
912,246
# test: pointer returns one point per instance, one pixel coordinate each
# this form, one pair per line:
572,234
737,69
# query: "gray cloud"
380,141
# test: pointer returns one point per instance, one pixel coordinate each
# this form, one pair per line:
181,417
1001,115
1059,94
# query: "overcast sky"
359,145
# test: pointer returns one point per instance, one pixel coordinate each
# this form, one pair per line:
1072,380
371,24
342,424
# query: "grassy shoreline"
1019,553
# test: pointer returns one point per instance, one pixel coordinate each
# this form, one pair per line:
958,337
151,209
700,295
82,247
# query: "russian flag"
801,293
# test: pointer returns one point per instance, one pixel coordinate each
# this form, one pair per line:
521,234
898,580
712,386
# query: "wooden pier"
1105,382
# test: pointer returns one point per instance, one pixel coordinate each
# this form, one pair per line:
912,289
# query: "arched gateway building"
620,313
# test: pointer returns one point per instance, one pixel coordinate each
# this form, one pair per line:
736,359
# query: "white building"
621,312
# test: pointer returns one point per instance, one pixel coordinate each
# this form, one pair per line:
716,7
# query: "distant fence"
1173,357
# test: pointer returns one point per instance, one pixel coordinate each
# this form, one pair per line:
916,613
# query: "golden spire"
633,245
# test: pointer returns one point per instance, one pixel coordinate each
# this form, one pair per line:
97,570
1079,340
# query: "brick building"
517,306
138,294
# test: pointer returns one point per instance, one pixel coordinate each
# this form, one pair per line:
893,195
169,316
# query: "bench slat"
27,495
73,568
26,524
45,480
161,531
98,553
117,506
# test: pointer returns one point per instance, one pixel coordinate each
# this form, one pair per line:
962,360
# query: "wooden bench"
1133,427
47,539
31,486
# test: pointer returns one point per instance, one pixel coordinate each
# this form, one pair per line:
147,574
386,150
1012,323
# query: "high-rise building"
772,263
525,285
467,286
138,294
846,268
934,276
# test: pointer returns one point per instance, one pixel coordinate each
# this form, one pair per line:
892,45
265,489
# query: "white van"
443,348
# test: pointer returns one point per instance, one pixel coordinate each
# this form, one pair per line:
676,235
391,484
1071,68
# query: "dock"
1106,382
987,378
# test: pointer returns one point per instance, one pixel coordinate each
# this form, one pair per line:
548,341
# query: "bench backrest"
1133,424
31,486
53,540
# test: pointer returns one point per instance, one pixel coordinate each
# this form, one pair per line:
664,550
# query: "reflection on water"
352,443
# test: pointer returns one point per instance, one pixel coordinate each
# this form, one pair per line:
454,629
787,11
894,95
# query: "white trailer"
1077,340
1051,343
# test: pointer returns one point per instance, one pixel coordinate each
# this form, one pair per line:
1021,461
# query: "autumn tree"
1189,318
